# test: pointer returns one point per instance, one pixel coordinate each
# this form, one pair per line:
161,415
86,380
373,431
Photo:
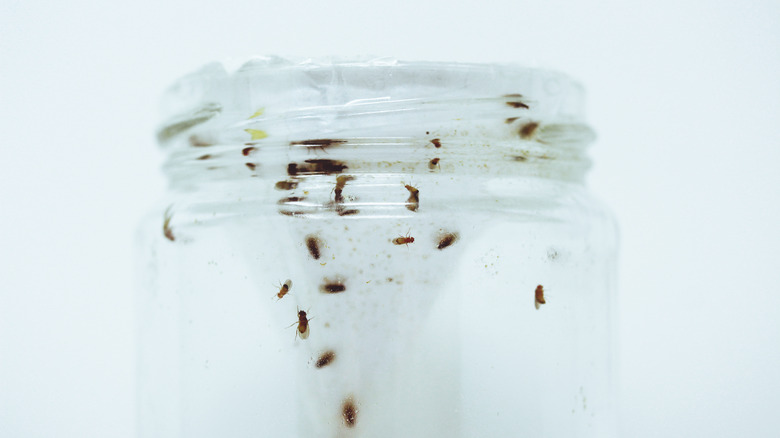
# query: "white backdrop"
685,97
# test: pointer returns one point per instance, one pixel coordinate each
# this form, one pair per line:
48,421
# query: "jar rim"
558,94
376,106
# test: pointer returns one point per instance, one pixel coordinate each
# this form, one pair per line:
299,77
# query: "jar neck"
347,138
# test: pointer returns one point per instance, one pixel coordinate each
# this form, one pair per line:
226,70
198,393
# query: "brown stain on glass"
204,157
333,286
338,198
341,181
446,240
528,130
285,185
510,120
433,164
325,359
251,166
526,156
316,167
292,213
167,232
414,198
198,142
515,101
248,150
291,199
436,142
517,105
313,244
349,412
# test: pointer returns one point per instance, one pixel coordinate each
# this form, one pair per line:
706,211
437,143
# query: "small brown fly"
539,296
303,325
403,240
284,289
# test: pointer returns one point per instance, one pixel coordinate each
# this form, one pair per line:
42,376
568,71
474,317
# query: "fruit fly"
539,296
404,240
284,289
303,325
433,164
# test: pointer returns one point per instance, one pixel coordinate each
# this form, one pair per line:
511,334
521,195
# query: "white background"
685,97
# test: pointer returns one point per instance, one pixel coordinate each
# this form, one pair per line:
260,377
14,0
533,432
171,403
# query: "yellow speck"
323,264
369,281
305,192
258,113
256,133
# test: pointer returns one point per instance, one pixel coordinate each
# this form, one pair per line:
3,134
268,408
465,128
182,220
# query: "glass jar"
376,248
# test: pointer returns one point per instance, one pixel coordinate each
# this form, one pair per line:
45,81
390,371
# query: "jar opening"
309,129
